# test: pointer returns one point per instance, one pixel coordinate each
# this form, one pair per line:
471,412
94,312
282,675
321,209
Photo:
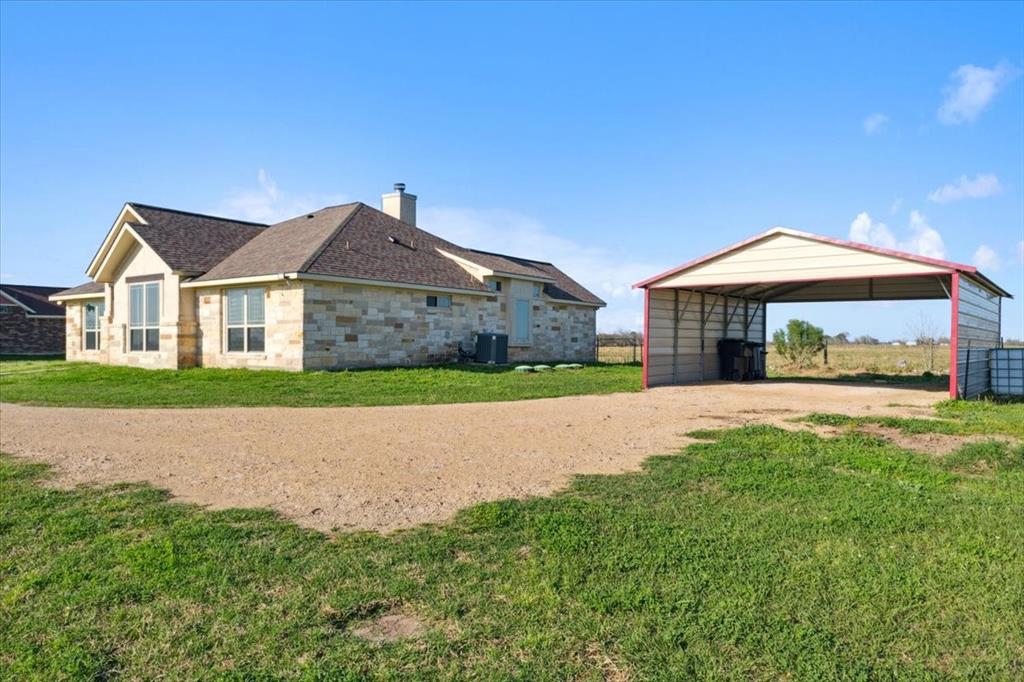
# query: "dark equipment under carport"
741,360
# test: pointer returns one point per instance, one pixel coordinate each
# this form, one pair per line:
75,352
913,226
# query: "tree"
840,338
925,331
799,342
866,340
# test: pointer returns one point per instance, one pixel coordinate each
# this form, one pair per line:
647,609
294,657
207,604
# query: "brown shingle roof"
87,288
361,242
373,245
35,298
283,247
190,242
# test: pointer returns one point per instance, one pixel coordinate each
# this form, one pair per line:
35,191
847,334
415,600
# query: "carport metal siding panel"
977,332
674,345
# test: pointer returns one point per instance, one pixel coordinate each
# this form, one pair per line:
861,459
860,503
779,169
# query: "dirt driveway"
384,468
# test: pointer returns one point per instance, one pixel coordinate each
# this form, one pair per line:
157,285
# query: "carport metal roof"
789,266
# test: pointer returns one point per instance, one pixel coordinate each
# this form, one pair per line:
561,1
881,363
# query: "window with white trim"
144,317
494,285
246,320
439,301
93,319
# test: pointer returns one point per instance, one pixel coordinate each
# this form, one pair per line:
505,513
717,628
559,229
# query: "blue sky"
615,140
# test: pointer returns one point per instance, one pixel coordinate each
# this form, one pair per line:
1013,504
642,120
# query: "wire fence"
624,348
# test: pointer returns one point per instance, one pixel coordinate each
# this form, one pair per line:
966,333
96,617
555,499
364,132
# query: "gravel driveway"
384,468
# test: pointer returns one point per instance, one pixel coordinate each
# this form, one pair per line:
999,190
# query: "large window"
93,318
144,320
439,301
246,330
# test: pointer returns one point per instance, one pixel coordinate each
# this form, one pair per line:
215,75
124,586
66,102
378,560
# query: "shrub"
799,342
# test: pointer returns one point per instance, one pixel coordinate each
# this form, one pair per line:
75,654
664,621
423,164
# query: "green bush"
799,342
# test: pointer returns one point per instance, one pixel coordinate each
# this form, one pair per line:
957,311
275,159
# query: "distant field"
868,359
846,359
619,354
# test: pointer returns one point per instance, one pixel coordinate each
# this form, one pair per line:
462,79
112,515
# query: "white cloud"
863,229
267,203
980,187
875,123
897,204
923,239
601,270
986,258
971,90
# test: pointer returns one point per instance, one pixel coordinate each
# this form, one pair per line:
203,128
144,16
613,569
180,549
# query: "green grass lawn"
954,417
49,382
756,554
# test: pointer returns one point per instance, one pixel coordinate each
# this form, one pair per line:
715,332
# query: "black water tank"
492,348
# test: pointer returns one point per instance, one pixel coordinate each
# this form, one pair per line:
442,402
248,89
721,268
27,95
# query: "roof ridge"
505,255
198,215
30,286
315,211
334,234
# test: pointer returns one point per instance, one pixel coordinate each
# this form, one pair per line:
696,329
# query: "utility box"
492,348
740,360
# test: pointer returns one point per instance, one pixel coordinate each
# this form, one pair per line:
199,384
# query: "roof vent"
399,204
395,240
310,215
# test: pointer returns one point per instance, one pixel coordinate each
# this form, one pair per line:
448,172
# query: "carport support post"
746,318
702,336
954,324
645,354
675,335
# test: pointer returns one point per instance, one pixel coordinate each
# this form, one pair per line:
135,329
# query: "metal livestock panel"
977,329
1006,371
684,328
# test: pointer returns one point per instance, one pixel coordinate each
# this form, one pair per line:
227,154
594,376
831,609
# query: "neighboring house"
29,323
345,286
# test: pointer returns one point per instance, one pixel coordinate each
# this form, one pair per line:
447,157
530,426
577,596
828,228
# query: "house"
344,286
30,324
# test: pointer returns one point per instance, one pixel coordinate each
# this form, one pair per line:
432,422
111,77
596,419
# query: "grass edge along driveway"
80,384
757,553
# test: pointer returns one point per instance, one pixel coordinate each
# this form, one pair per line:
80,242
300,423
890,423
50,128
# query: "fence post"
826,351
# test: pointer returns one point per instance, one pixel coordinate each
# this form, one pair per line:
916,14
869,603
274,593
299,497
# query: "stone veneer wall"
176,343
560,332
283,340
24,335
326,325
350,325
353,325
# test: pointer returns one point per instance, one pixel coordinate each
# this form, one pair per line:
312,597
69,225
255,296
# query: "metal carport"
724,295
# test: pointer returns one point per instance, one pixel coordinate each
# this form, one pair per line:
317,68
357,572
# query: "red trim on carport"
814,237
799,280
647,336
954,318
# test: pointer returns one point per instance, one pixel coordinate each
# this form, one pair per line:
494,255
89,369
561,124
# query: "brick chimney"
400,205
